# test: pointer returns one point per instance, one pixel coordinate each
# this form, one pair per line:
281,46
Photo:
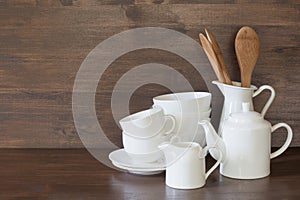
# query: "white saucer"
121,160
138,170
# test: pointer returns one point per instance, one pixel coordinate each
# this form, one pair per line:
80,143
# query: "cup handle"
172,118
287,141
216,164
270,100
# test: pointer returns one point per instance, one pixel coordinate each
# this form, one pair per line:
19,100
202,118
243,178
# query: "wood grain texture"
43,43
75,174
247,48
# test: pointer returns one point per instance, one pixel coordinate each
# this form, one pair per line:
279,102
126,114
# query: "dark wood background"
43,43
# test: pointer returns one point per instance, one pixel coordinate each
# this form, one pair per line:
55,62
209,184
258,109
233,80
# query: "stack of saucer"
172,115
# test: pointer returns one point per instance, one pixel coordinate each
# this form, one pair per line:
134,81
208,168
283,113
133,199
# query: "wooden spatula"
247,51
212,57
219,56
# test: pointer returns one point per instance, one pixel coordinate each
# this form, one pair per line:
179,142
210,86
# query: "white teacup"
187,108
147,123
144,150
185,165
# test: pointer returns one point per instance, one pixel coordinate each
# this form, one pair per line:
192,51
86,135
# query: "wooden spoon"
219,55
247,50
212,57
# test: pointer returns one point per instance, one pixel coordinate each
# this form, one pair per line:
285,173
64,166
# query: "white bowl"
204,114
188,101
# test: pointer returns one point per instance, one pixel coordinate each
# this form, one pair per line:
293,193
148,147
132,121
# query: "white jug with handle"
185,164
235,95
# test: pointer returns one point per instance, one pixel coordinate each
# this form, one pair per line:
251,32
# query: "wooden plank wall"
43,43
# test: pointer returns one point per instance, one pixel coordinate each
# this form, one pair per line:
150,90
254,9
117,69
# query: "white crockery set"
175,135
172,134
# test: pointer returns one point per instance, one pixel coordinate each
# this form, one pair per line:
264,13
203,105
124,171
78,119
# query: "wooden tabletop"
75,174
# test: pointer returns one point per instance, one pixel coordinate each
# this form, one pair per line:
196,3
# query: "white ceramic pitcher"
235,95
185,165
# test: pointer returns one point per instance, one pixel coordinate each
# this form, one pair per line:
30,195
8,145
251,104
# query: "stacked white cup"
175,114
144,131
